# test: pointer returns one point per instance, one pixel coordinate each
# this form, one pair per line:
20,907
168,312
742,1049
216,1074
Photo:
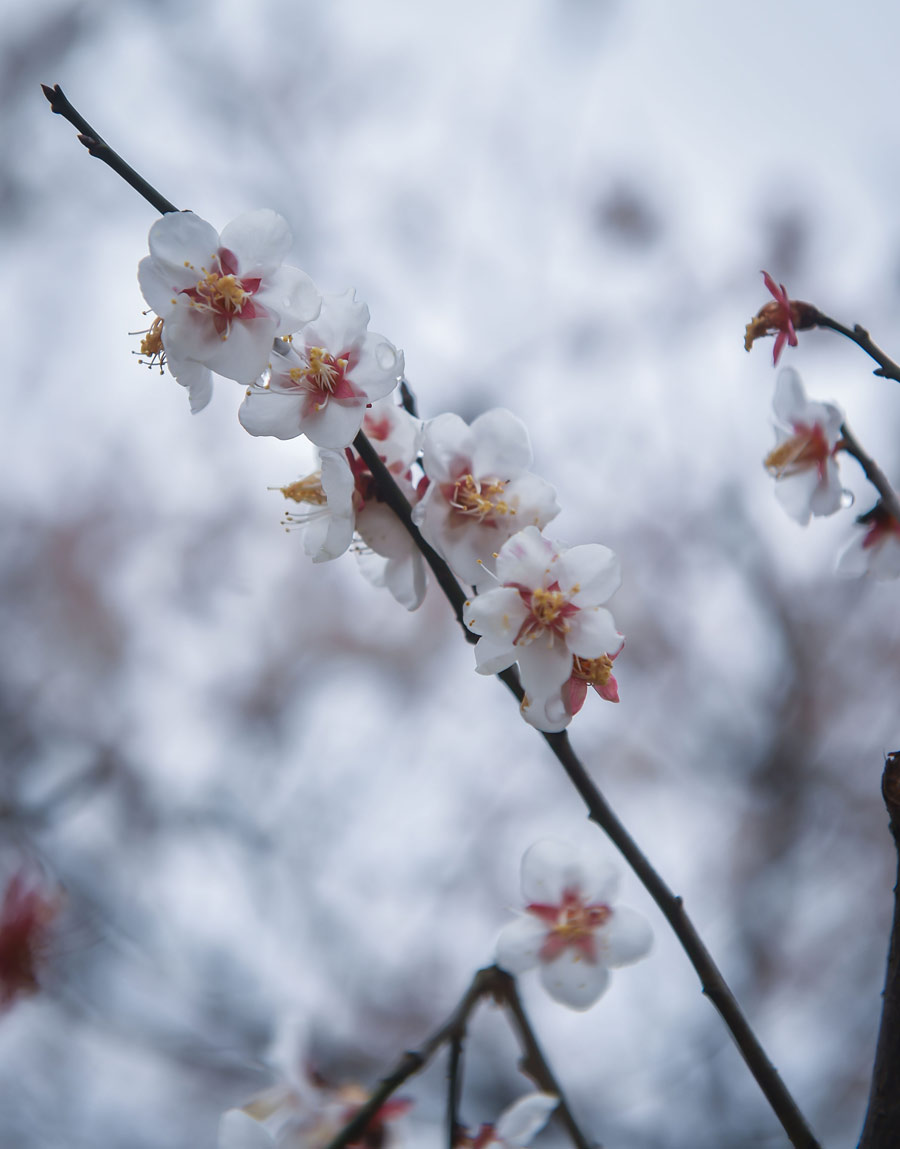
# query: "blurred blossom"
569,927
803,459
516,1125
781,318
26,914
874,548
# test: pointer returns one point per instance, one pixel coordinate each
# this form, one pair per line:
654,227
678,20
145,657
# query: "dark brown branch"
98,147
887,368
454,1087
490,982
882,1125
873,472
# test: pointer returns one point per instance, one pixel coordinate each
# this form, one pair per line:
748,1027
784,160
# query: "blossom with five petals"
876,549
223,298
515,1126
546,611
803,459
480,491
321,383
570,927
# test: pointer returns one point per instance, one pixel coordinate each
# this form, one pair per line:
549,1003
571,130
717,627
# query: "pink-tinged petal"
266,412
238,1130
625,938
259,240
519,944
594,569
500,445
446,448
291,295
525,1118
526,558
780,340
549,868
180,238
592,632
574,982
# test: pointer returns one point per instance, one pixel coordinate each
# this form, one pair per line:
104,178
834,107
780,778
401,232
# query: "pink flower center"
805,449
324,377
572,924
478,499
549,610
223,295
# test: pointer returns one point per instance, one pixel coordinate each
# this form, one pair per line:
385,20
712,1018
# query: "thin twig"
887,368
98,147
874,473
711,980
882,1125
454,1086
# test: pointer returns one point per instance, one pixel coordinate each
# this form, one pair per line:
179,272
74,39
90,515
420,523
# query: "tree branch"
887,368
882,1125
873,472
711,980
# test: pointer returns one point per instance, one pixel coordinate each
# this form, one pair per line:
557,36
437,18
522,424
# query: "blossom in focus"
330,518
322,381
803,460
570,928
515,1126
875,548
480,491
26,913
305,1113
783,318
222,299
546,611
558,711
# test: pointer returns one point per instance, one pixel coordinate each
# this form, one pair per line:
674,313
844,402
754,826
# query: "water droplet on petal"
386,356
847,499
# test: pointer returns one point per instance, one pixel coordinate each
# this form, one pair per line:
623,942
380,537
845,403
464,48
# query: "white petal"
795,493
237,1130
181,237
265,412
196,378
790,402
592,632
525,1117
550,867
593,568
544,666
155,287
336,423
341,324
292,296
446,448
500,445
519,944
244,353
526,558
548,715
499,612
828,495
625,938
259,240
574,981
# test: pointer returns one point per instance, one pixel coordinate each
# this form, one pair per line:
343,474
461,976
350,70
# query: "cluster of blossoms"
809,437
228,304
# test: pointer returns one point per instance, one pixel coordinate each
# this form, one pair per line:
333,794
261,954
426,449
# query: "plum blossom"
546,611
26,912
342,501
803,460
221,299
322,381
515,1126
784,316
305,1112
875,550
480,491
558,710
569,928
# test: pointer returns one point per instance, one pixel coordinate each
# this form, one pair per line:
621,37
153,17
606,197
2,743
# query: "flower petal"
265,412
259,240
626,937
525,1117
519,944
573,981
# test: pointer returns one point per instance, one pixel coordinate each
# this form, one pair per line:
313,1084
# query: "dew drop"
847,499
